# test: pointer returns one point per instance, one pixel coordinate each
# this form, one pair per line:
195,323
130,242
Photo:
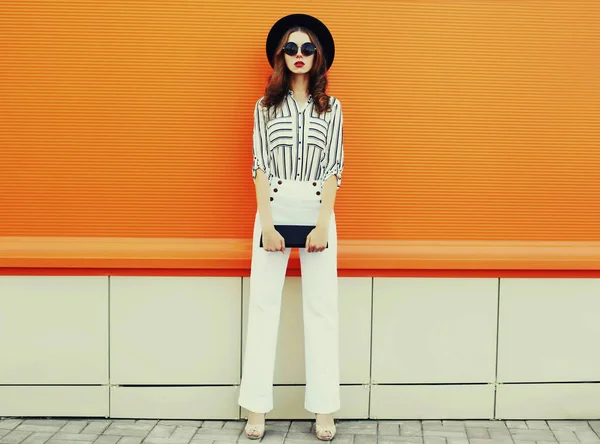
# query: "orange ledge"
234,254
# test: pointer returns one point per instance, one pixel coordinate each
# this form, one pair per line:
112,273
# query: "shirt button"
271,199
314,184
280,182
274,190
318,193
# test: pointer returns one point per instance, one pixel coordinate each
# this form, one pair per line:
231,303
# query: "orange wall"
463,119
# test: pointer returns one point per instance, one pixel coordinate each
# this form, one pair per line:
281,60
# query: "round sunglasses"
307,48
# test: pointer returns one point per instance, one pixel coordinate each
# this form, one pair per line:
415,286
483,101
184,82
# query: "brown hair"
278,85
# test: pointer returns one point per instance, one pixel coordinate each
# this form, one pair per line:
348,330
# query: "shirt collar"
291,93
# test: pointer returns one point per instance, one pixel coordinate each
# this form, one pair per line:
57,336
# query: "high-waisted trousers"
293,203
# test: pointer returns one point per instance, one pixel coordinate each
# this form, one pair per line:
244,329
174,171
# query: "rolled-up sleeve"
333,161
259,142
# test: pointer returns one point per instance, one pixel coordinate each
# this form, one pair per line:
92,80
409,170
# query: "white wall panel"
549,330
174,402
53,330
548,401
432,401
434,330
57,401
175,330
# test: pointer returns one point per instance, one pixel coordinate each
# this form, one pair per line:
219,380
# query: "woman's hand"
316,241
272,240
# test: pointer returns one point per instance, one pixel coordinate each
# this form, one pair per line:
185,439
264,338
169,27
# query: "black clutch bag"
294,235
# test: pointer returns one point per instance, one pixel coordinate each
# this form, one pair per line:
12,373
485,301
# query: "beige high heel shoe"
325,432
254,431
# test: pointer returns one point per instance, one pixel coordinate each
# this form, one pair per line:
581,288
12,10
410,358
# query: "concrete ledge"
229,254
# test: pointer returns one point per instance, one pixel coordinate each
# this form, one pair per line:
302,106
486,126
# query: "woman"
298,161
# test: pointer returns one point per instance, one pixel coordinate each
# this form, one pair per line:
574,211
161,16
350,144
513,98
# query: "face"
299,63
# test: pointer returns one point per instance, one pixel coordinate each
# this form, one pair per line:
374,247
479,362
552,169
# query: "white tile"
432,401
434,330
548,401
355,331
175,402
549,329
54,329
175,330
54,401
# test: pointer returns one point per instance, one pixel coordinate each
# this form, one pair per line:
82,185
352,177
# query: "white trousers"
293,203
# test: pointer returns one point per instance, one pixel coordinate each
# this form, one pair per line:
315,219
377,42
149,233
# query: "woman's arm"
327,202
272,240
333,163
260,167
317,239
263,193
333,166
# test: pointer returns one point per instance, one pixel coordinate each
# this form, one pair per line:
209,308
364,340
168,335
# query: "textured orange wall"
463,119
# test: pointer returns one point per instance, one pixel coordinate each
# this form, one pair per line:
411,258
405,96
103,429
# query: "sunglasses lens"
291,48
308,49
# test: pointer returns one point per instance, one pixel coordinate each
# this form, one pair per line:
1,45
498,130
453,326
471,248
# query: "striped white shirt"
299,144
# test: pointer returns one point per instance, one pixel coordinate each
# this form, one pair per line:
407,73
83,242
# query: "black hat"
306,21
